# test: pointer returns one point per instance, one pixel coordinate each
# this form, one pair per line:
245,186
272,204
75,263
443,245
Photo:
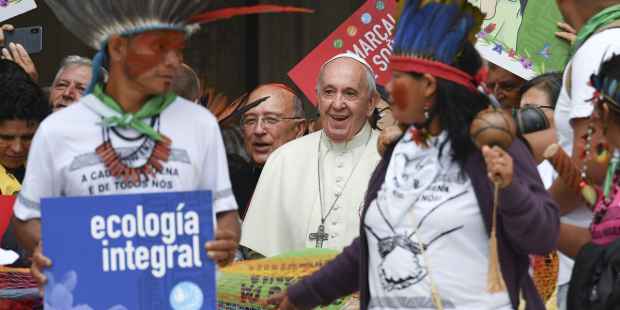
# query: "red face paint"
400,92
151,48
4,145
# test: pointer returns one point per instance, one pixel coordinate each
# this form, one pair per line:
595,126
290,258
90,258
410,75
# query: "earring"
587,191
602,149
426,110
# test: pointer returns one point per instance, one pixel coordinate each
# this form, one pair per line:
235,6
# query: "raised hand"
570,35
20,56
499,165
38,262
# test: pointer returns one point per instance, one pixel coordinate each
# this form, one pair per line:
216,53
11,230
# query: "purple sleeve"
336,279
529,215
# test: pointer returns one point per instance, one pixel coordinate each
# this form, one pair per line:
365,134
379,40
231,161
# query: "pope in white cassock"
312,189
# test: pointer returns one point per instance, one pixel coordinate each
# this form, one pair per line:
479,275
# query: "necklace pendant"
104,146
126,174
115,165
320,236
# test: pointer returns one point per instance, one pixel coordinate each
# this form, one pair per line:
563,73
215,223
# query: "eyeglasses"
252,121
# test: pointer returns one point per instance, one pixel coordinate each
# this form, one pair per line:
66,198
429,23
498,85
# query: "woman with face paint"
605,222
429,207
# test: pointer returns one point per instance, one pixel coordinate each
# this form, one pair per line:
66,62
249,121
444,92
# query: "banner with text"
129,251
369,33
244,285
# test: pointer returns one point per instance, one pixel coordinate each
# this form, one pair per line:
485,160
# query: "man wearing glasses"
311,190
266,127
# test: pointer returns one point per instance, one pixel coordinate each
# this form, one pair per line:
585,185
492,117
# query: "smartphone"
31,38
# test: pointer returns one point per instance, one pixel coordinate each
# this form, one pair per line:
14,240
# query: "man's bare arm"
563,196
227,237
572,238
28,233
539,141
29,237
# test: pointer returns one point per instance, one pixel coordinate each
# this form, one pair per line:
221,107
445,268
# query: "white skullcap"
352,56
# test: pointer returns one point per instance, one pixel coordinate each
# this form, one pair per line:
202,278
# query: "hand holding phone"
17,53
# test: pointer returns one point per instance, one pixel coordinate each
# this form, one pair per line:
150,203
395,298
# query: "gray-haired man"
311,189
71,81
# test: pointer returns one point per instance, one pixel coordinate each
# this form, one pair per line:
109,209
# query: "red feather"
230,12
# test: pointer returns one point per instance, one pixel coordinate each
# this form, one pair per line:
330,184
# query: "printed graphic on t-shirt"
450,230
402,262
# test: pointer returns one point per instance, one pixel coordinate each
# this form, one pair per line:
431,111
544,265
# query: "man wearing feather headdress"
129,136
311,189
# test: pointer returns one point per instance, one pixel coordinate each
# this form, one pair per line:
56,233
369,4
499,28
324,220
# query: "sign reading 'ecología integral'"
129,251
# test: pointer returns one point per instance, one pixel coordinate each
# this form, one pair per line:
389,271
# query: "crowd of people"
387,176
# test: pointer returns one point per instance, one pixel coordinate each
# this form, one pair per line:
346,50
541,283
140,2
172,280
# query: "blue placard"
129,251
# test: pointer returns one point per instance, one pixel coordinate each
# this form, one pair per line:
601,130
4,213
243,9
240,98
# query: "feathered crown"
606,89
430,35
94,21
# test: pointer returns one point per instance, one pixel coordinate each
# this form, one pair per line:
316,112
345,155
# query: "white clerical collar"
358,140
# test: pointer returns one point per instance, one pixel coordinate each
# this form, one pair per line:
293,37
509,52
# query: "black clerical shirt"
243,185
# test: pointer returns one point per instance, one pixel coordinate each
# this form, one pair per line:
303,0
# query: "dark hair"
523,5
316,114
457,106
186,84
550,83
611,69
383,93
20,98
9,69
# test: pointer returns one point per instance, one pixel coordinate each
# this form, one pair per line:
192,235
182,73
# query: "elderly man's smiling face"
271,124
345,101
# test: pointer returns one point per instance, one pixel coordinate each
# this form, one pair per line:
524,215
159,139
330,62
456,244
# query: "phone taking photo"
31,38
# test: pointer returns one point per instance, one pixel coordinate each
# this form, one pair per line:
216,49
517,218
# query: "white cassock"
286,208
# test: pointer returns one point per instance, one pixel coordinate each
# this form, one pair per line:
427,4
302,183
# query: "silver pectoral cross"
320,236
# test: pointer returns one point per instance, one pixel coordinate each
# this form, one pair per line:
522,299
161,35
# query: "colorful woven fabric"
244,285
546,274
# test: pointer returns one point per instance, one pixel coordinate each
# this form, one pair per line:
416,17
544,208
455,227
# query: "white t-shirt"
453,232
585,62
547,173
63,162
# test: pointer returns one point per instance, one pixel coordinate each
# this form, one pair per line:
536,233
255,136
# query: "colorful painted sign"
12,8
369,33
129,252
244,285
519,36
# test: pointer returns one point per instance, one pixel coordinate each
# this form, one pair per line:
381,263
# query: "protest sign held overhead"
12,8
519,36
369,33
130,251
